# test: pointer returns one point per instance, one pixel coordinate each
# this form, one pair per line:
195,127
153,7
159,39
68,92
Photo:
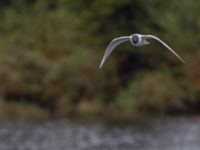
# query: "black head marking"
135,39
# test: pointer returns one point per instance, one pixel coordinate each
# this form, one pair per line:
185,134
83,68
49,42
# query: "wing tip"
183,61
100,66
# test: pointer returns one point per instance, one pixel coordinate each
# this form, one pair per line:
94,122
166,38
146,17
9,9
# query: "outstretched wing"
111,46
159,40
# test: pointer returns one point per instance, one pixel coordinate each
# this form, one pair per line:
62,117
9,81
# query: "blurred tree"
51,50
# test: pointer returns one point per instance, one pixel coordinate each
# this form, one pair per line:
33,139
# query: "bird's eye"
135,39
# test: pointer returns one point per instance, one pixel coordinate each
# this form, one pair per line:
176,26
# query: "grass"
13,111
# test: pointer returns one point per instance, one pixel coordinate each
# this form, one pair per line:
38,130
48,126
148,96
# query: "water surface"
170,134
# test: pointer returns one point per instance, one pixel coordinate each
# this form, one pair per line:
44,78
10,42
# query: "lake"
168,134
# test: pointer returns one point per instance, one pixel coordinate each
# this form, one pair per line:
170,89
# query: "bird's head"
138,40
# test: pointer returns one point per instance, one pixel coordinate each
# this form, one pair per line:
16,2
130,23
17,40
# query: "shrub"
154,93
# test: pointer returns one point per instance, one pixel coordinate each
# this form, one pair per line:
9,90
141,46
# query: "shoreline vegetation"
17,112
50,52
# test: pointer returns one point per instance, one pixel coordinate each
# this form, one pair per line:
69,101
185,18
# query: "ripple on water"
176,134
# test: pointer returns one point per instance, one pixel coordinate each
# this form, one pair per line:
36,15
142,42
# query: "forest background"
50,51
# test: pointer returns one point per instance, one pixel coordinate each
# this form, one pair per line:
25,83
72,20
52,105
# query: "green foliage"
21,111
179,22
50,52
153,93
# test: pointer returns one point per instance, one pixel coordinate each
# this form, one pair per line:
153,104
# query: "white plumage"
136,40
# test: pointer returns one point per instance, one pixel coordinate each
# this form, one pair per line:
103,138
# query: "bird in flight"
136,40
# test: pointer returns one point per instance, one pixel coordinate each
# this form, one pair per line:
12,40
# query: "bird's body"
136,40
